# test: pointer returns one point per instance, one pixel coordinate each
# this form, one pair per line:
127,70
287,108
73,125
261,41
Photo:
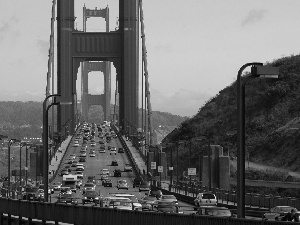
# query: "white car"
133,198
113,152
205,198
105,172
76,144
93,144
117,202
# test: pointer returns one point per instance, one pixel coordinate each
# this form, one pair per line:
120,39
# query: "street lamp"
257,70
57,101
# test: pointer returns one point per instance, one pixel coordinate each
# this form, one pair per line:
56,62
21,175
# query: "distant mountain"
272,107
22,118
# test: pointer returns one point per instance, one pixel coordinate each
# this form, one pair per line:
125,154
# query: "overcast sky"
195,47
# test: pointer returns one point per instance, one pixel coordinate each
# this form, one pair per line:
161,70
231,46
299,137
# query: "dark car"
214,211
91,197
121,150
117,173
107,183
82,159
167,207
67,198
31,193
155,193
136,182
114,163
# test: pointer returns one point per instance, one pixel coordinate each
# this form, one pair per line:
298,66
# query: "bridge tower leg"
65,79
128,82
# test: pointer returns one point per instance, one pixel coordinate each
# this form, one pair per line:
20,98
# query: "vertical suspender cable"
52,59
144,56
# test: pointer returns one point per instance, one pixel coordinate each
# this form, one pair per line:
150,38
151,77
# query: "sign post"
160,169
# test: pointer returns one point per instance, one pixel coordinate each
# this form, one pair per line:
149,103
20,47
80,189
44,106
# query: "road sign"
160,169
171,168
191,171
153,165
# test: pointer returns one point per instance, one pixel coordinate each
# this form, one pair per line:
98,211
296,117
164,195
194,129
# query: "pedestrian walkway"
56,160
136,155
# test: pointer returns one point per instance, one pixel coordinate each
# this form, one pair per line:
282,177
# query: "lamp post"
10,142
257,70
56,101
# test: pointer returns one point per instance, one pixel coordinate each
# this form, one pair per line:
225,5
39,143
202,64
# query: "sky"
195,47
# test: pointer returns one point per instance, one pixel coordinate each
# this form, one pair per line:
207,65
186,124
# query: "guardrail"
87,215
135,167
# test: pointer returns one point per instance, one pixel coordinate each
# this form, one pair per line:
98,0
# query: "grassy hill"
272,106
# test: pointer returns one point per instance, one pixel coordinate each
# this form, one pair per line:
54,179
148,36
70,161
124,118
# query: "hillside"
272,105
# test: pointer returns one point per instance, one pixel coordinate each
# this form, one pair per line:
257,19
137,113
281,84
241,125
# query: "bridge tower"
120,47
87,99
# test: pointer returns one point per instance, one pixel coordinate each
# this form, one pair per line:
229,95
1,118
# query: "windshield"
91,193
168,197
31,189
89,185
208,196
150,198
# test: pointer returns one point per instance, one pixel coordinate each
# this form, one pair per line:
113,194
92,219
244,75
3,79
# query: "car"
93,144
82,155
102,150
169,198
91,179
65,189
67,198
113,148
127,168
72,156
101,142
113,152
79,168
76,144
122,184
82,159
148,202
205,198
64,172
117,202
56,186
144,186
89,187
121,150
278,212
136,204
74,164
104,177
91,197
117,173
41,195
114,163
92,154
105,171
107,183
155,193
167,207
79,174
136,182
50,188
31,193
214,211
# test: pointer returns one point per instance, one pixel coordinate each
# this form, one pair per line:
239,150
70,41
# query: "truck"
70,181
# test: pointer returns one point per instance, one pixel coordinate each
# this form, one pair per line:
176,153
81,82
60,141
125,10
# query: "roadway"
94,165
